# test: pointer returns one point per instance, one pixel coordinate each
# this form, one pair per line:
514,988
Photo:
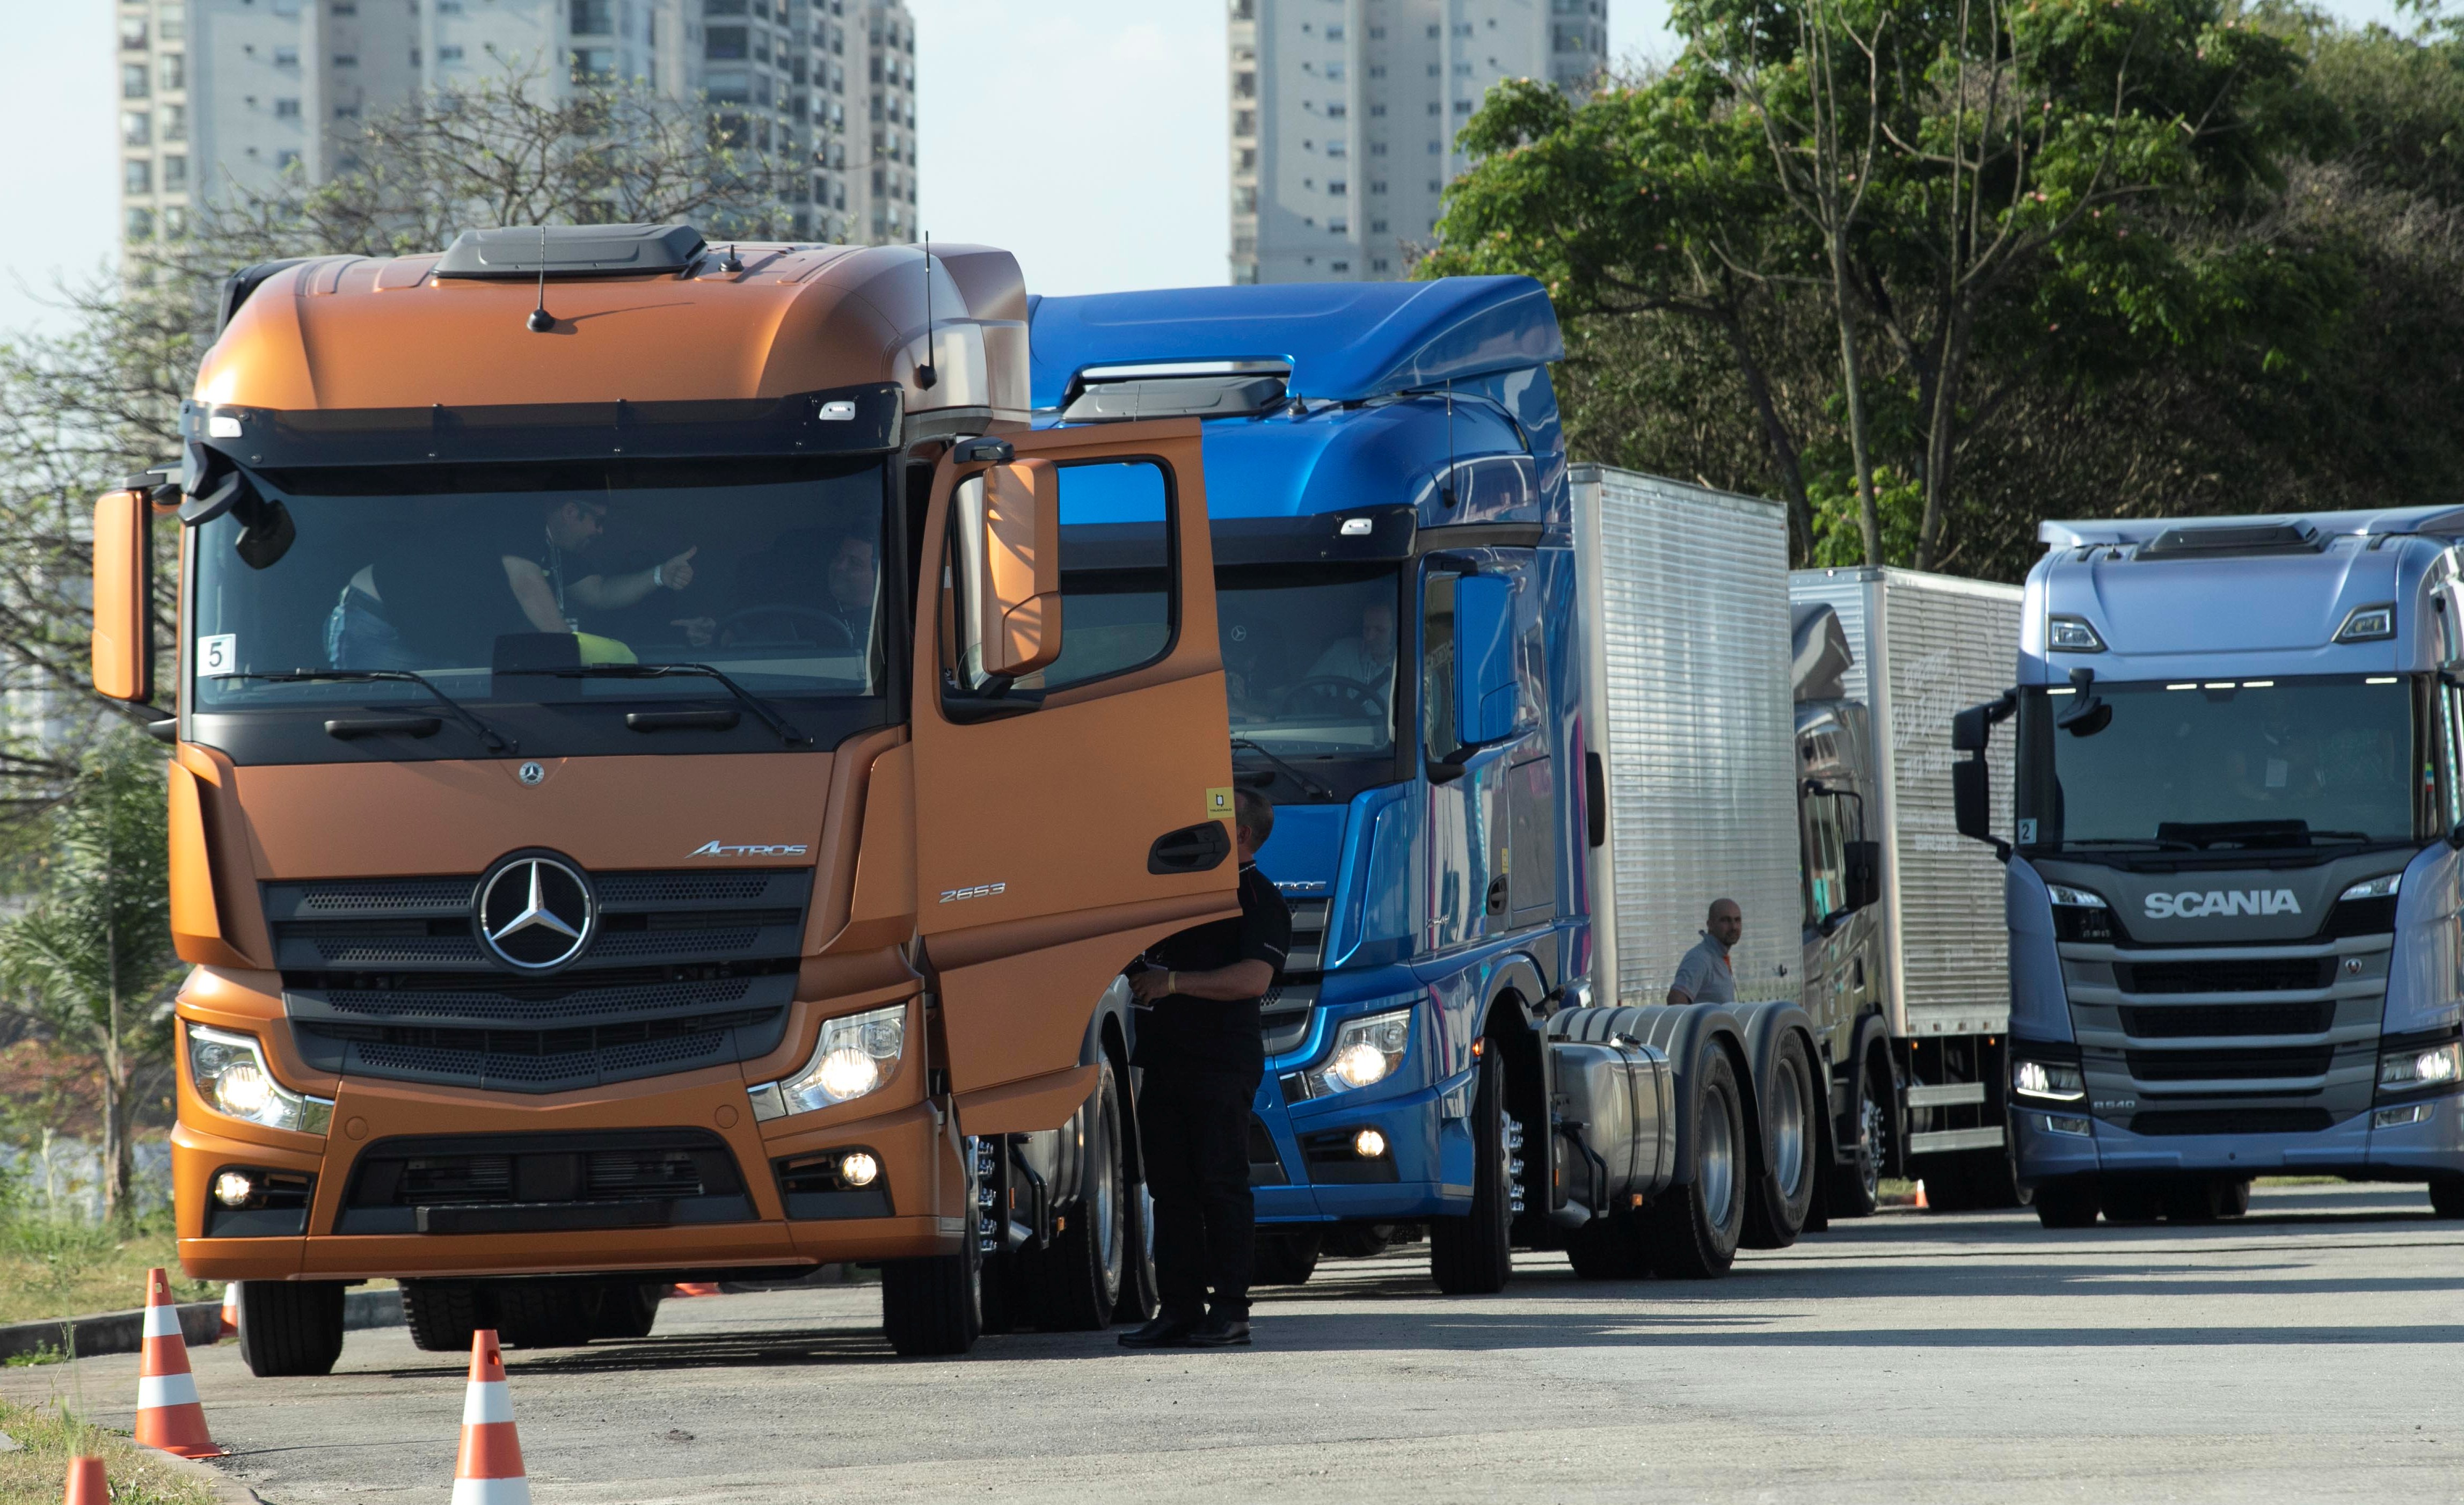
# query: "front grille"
2185,1020
2236,974
2231,1065
1307,952
2231,1121
387,978
1266,1166
517,1183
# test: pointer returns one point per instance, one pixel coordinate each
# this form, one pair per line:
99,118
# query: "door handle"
1497,895
1192,849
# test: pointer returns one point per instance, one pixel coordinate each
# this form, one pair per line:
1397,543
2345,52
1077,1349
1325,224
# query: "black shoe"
1219,1332
1164,1332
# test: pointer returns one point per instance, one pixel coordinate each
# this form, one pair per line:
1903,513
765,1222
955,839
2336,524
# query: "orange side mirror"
1019,584
124,598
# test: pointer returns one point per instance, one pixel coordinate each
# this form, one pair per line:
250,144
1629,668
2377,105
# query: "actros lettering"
724,849
2192,906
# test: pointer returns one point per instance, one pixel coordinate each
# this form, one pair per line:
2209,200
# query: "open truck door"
1070,726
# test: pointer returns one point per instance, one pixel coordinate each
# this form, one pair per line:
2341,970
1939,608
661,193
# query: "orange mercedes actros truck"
667,772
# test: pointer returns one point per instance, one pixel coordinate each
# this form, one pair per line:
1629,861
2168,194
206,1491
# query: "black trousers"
1194,1127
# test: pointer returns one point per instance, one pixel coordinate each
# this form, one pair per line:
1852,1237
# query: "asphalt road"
2314,1352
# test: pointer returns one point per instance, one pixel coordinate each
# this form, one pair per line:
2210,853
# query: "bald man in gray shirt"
1704,975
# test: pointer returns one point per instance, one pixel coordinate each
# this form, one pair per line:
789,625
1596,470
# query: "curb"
200,1323
227,1490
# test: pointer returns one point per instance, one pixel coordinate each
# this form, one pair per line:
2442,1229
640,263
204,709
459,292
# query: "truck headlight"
2048,1080
2413,1070
857,1054
228,1071
1367,1051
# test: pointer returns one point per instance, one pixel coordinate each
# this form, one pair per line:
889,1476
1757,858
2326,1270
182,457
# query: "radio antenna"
925,376
541,320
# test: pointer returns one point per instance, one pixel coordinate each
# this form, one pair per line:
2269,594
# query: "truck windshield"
1308,658
766,571
2238,765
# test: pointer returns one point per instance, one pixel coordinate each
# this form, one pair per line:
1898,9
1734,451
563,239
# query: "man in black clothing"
1202,1054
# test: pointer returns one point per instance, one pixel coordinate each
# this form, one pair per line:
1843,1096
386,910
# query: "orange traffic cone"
231,1311
86,1484
694,1288
1921,1204
489,1470
168,1415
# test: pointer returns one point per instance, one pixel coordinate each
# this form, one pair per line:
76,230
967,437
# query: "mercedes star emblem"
535,913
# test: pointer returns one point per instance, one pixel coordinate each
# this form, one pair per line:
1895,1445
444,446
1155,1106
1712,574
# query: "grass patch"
52,1435
2296,1181
52,1267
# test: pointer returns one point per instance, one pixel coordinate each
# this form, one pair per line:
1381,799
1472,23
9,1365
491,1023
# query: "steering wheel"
1352,697
839,630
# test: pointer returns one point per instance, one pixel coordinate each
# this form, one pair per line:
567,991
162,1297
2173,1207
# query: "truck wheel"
1287,1258
545,1313
2067,1203
628,1310
1855,1187
934,1305
1471,1255
442,1315
1608,1249
1075,1283
1691,1231
1781,1196
290,1327
2237,1199
1139,1298
2129,1200
2447,1196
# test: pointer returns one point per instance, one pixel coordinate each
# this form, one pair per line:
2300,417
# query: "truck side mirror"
124,598
1971,803
1007,522
1864,875
1969,729
1487,694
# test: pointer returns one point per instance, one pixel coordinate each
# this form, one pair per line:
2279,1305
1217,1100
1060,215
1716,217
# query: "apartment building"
225,99
1344,115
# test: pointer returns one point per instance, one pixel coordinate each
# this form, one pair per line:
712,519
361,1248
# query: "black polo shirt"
1184,1034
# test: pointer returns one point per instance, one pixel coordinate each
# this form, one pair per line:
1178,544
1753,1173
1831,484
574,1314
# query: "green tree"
1984,195
89,960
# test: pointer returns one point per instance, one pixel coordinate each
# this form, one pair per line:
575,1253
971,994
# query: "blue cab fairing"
1432,397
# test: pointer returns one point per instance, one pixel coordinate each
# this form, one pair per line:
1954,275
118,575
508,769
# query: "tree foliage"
1932,271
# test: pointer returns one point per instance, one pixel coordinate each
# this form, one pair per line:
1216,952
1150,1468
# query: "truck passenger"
1202,1053
1703,975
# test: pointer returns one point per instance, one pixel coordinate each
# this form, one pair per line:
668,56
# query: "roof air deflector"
571,251
1189,394
2227,541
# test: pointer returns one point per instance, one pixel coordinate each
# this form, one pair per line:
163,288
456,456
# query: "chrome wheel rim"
1787,1128
1718,1171
1108,1204
1869,1138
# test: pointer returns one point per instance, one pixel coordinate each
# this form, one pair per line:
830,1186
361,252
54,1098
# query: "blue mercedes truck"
1521,721
2233,866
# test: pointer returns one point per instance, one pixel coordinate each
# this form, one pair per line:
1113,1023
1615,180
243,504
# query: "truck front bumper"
2357,1147
1317,1173
917,1155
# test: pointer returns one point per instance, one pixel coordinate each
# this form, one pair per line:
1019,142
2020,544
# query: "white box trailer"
1685,642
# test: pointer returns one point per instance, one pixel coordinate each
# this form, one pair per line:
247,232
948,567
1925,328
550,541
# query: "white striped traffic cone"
168,1415
490,1469
231,1311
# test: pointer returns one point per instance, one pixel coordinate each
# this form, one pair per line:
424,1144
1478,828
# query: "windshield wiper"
751,702
488,736
1308,785
2161,844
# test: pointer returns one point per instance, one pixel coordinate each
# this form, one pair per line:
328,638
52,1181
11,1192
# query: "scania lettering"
1522,721
507,576
2237,839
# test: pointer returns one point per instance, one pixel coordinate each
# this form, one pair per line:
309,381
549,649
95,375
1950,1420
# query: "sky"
1086,136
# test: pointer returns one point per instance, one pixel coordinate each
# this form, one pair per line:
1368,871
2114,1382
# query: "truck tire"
1471,1255
1074,1284
443,1315
545,1311
628,1309
2128,1199
1140,1299
1783,1194
1691,1232
2447,1196
934,1306
1360,1240
1287,1258
2068,1203
290,1327
1855,1185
